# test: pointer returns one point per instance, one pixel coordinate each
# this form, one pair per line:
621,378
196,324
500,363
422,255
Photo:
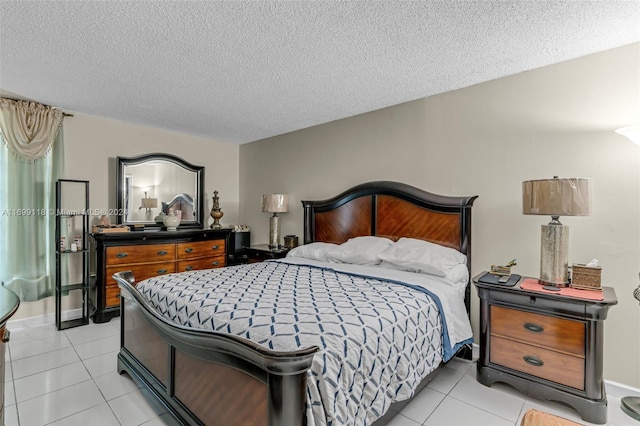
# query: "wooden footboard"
205,377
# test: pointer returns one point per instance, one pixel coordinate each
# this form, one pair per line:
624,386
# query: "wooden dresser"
9,303
545,345
148,254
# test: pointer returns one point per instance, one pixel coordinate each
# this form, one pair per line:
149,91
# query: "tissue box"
585,277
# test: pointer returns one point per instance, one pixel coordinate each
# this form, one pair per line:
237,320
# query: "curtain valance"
29,128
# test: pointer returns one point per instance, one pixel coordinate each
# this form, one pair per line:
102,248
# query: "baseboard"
475,351
50,318
620,390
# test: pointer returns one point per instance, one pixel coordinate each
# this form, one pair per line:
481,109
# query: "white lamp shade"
631,132
149,203
557,197
275,203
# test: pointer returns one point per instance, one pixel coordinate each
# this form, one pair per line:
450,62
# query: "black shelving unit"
72,247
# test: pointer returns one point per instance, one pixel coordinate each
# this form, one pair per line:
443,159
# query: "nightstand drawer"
558,334
550,365
204,263
197,249
122,255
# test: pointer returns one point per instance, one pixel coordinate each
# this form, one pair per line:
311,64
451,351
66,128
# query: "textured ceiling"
239,71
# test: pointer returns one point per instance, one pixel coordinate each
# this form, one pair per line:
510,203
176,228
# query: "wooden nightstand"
262,252
545,345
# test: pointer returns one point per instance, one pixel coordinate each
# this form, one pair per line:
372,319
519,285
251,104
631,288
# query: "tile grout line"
13,385
104,398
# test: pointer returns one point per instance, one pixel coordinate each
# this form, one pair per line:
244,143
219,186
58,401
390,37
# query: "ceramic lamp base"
274,231
554,255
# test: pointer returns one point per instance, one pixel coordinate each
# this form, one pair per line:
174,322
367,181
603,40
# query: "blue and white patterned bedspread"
378,339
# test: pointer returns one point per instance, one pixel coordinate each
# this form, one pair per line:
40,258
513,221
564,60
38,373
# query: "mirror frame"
198,198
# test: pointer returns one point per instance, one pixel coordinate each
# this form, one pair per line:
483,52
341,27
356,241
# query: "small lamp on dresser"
275,203
148,204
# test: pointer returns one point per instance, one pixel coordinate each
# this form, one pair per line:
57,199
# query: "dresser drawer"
112,296
202,263
122,255
140,272
559,334
557,367
197,249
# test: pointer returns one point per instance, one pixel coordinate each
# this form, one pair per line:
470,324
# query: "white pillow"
389,265
315,251
360,250
423,256
459,274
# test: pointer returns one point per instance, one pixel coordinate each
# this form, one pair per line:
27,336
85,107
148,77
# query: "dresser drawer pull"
216,247
535,328
536,362
188,250
162,252
189,268
162,271
6,335
122,254
215,263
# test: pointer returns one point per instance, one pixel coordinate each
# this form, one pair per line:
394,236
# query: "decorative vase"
160,217
216,213
171,221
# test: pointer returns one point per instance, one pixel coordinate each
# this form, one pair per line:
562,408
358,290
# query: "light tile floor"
69,378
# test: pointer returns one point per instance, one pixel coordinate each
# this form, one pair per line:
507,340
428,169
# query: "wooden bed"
212,378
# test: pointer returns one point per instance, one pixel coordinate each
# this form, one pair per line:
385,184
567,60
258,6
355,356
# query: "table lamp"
556,197
275,203
631,132
148,204
631,404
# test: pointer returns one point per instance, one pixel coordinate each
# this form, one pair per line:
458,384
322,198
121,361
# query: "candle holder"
216,213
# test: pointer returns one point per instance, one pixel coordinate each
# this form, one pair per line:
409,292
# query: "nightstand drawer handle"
535,328
530,359
162,252
216,247
122,254
188,268
162,271
189,250
215,263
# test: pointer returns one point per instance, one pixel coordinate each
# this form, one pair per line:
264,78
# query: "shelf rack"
72,201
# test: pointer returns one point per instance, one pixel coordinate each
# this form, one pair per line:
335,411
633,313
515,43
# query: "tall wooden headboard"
392,210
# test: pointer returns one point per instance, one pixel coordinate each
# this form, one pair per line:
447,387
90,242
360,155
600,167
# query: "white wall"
485,140
91,145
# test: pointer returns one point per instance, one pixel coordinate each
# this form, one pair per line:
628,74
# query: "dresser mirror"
150,186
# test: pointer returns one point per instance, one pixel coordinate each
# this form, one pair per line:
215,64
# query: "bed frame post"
287,402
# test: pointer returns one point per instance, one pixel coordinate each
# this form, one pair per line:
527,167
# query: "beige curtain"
29,128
